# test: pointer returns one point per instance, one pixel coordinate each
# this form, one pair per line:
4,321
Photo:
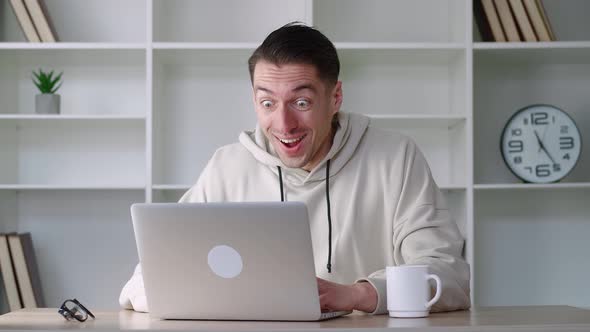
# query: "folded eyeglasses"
72,309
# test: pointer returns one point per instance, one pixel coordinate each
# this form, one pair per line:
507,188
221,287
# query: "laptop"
228,261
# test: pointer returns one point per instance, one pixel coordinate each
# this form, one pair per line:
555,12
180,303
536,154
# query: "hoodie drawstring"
329,265
281,183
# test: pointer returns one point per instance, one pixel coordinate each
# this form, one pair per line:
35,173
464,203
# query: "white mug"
408,290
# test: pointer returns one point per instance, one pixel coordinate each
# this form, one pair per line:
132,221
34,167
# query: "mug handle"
438,290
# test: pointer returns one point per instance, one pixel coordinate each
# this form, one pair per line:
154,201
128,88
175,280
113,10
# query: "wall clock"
541,144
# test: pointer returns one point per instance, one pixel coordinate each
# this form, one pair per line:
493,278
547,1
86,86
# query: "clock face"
541,144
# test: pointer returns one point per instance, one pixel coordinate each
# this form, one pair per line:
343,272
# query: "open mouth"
291,142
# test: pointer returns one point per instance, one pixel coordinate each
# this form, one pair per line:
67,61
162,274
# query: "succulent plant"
45,82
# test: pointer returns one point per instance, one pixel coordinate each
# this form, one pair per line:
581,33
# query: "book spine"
25,21
33,268
523,20
546,20
507,20
41,20
22,272
482,22
534,14
494,20
8,275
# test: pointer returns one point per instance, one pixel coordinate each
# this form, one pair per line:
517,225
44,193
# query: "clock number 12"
539,118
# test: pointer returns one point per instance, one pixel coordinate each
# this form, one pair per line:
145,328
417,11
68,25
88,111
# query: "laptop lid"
228,261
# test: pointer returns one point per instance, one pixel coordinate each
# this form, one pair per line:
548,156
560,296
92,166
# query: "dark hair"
298,43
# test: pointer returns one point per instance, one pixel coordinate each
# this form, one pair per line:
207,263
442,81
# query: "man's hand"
337,297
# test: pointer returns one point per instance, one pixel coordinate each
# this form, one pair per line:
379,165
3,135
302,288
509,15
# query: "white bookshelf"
153,87
528,239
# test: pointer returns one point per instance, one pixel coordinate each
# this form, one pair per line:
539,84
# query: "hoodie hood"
350,131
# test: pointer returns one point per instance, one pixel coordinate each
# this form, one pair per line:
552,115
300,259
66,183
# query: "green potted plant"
47,102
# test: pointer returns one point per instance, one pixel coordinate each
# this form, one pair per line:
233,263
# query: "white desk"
543,318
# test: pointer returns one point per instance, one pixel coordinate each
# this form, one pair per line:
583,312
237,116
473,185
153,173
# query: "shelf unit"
528,238
153,87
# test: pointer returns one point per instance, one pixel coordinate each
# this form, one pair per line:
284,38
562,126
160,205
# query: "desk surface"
540,318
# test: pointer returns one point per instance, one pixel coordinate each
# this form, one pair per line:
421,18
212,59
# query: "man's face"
295,110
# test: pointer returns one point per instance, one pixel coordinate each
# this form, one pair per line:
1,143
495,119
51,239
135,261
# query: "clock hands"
542,147
542,137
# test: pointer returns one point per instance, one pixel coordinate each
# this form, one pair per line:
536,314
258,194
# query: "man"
370,194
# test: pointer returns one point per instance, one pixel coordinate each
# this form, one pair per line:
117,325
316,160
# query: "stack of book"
512,20
20,273
34,20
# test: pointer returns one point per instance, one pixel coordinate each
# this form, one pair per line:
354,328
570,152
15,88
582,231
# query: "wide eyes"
302,104
266,103
299,104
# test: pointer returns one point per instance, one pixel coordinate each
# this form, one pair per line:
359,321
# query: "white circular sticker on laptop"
225,261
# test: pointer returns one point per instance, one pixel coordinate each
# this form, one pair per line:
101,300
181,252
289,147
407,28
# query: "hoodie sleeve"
197,193
133,293
424,233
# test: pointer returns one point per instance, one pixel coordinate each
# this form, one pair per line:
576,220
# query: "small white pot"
47,103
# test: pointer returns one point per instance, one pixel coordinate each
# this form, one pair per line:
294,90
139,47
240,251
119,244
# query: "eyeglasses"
72,309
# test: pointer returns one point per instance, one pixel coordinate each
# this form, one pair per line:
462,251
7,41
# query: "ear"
337,97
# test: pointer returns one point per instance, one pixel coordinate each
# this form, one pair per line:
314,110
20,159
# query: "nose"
285,121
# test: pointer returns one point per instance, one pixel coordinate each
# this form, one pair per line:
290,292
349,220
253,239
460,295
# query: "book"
27,273
41,20
508,22
482,22
523,21
8,276
493,20
24,20
546,20
537,22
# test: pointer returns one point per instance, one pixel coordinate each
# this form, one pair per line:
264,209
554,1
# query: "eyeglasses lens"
75,310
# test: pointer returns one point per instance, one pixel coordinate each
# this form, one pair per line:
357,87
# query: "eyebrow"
296,89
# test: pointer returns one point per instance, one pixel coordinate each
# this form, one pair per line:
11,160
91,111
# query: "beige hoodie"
385,207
